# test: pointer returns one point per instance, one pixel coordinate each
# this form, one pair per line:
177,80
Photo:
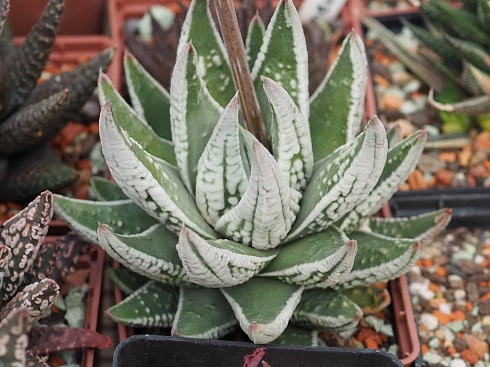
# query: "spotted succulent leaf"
105,190
152,305
4,11
126,280
254,39
474,53
295,335
336,119
370,299
5,257
13,338
475,80
45,262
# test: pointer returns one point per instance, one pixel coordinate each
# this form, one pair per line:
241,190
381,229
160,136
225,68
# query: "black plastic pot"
165,351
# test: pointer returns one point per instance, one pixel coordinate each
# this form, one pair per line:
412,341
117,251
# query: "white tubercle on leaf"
265,214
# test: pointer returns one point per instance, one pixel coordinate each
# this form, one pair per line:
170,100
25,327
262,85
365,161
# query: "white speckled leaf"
380,259
320,260
199,28
263,307
13,335
254,39
103,189
5,257
154,187
400,162
342,180
193,114
219,263
265,214
151,253
291,142
289,69
221,174
337,105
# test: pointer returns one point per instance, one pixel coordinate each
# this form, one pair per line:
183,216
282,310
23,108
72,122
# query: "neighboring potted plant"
262,239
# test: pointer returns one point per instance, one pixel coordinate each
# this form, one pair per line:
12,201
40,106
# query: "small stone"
484,307
472,292
469,267
445,308
476,345
456,326
431,358
457,362
460,344
455,281
469,356
459,294
429,321
434,343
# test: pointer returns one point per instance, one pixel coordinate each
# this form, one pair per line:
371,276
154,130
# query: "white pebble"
445,308
455,281
457,362
429,321
459,294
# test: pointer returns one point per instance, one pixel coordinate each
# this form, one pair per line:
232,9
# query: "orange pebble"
84,165
416,180
443,177
458,315
442,317
434,287
442,271
427,263
425,349
366,333
452,351
370,343
469,356
468,306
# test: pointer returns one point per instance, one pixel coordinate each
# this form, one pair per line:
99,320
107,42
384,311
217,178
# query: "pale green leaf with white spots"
337,105
289,69
320,260
265,214
153,186
326,309
203,313
152,305
126,280
149,99
263,307
380,259
221,174
400,163
193,114
342,181
219,263
151,253
254,39
105,190
199,28
291,142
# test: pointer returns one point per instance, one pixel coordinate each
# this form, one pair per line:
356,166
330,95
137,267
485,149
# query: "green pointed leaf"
380,258
203,313
128,120
400,163
126,280
342,181
221,173
264,215
295,335
199,28
254,39
370,299
289,69
475,80
263,307
151,253
291,142
13,338
219,263
337,105
193,113
471,106
474,53
149,99
394,135
84,216
155,187
483,14
320,260
326,309
420,227
152,305
106,190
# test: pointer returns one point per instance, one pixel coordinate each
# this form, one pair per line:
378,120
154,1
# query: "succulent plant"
453,59
31,113
227,232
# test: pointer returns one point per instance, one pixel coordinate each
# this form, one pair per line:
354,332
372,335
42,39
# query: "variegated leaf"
326,309
264,215
45,262
380,258
156,188
149,99
394,135
5,257
152,305
254,39
263,307
475,80
371,299
199,28
203,313
295,335
337,105
128,120
400,163
289,69
320,260
126,280
472,52
291,142
151,253
342,181
84,216
193,113
23,234
13,338
422,227
219,263
105,190
221,174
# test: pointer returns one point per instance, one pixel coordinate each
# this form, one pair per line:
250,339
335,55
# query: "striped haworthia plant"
215,229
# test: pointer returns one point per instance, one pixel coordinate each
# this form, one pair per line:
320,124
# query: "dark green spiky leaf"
370,299
263,307
84,216
13,338
152,305
128,120
106,190
151,253
475,81
380,258
338,103
203,313
149,99
254,39
319,260
126,280
474,53
296,335
326,309
483,14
